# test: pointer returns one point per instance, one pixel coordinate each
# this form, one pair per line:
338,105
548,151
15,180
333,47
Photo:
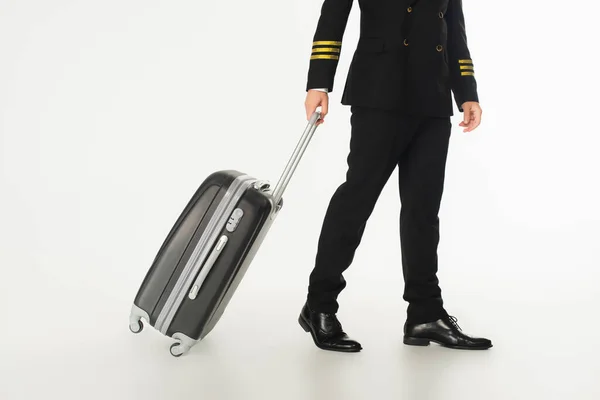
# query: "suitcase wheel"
136,327
177,349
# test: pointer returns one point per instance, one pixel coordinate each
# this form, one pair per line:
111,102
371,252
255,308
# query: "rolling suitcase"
208,250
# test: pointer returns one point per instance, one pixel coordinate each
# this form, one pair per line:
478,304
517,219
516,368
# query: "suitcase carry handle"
296,156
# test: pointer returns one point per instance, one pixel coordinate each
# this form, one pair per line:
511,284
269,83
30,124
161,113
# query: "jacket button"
405,42
409,9
439,47
441,14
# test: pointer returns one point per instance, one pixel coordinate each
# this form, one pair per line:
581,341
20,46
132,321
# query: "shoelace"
454,322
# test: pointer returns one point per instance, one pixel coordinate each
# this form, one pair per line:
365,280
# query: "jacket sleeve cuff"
466,91
461,99
321,77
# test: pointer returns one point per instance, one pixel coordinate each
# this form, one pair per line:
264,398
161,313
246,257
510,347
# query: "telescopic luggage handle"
296,156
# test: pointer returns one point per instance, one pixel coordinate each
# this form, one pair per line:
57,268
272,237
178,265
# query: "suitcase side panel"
245,263
179,244
200,253
194,315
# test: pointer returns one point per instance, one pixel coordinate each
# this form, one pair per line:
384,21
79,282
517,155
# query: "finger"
468,119
310,109
324,107
466,115
476,119
473,120
471,125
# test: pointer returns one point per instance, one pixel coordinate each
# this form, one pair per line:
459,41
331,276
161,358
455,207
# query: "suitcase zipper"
234,193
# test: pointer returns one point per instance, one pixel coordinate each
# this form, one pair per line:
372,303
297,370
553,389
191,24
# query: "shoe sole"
307,329
412,341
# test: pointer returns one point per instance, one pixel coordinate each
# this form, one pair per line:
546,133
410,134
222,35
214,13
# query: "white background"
113,112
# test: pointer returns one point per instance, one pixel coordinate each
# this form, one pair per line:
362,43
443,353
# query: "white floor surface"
70,340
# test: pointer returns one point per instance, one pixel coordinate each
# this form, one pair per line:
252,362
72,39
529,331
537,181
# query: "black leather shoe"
327,331
444,331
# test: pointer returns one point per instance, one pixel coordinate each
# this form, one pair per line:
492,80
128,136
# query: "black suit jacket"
411,55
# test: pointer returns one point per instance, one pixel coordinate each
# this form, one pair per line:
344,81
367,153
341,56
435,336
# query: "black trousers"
380,141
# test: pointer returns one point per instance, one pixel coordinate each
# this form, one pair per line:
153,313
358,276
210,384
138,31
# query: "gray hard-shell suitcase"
208,251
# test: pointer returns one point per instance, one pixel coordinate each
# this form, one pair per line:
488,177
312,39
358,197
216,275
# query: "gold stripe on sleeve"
326,50
327,43
324,57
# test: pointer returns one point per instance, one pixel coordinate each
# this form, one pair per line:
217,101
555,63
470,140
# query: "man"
411,56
